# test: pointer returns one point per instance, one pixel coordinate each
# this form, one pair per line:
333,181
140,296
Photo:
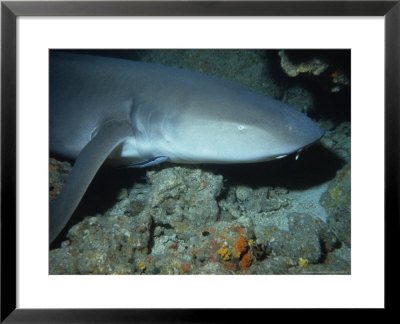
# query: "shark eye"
241,127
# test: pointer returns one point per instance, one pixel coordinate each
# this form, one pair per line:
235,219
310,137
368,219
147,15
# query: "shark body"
138,114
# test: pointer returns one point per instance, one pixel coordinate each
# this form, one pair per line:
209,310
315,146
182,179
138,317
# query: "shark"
136,114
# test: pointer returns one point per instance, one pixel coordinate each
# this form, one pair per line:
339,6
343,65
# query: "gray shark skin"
138,114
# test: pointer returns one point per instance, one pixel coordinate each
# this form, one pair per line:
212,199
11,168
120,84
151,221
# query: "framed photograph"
188,155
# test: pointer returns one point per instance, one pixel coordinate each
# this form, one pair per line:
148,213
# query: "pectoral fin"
88,162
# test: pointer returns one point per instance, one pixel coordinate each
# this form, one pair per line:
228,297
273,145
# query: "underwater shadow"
314,166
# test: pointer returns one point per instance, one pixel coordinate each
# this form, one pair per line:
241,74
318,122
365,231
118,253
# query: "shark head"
220,123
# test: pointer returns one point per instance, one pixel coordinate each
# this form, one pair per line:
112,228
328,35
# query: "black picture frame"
10,10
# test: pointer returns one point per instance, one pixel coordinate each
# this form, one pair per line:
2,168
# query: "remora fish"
140,114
